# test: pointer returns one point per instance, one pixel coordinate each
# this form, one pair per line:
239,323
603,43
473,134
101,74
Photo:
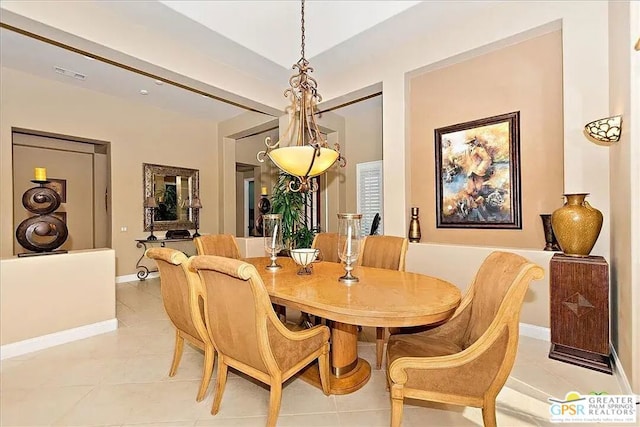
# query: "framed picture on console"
478,173
59,186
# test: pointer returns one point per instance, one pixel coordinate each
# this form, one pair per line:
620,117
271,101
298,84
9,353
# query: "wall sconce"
150,203
605,131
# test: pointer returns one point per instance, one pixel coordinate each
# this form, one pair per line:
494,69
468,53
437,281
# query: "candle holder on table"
272,224
349,235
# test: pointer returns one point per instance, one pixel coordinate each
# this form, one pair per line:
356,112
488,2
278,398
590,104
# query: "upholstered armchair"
383,252
466,360
177,283
224,245
327,243
247,333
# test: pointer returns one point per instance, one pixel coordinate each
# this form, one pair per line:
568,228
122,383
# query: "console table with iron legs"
143,270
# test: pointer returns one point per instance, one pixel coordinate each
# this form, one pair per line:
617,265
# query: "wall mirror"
173,189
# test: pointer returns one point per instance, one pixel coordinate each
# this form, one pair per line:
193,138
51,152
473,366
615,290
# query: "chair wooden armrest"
398,368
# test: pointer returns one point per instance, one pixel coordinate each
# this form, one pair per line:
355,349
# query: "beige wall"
228,132
264,174
246,151
451,39
458,265
625,186
137,134
525,77
78,291
363,134
333,182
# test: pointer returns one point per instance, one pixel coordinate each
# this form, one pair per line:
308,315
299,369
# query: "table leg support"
348,372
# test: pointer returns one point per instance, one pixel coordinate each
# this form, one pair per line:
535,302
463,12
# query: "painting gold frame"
478,173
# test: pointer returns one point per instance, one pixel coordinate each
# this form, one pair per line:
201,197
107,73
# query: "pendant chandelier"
307,153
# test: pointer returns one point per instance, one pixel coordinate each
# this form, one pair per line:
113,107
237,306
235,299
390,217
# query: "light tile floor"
121,379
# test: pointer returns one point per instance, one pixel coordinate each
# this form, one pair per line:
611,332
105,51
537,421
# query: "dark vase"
414,226
264,206
549,236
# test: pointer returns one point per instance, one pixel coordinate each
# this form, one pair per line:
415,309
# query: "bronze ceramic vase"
576,225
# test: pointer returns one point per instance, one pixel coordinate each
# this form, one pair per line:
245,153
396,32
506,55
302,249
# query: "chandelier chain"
302,27
302,130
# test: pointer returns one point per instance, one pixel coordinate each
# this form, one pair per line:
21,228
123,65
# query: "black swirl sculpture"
43,233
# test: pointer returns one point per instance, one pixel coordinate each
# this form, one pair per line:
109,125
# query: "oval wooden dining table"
382,297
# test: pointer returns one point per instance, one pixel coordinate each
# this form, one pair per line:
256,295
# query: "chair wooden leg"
489,413
396,411
325,376
275,398
379,347
221,381
209,360
177,353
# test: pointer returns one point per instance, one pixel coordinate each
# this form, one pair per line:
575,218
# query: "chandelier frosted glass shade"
296,160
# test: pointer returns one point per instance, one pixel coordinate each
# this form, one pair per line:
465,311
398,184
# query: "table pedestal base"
347,383
348,372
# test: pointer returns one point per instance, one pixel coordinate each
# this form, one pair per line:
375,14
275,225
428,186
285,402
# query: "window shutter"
369,188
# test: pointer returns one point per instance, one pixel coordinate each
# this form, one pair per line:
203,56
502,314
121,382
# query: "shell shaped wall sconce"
605,131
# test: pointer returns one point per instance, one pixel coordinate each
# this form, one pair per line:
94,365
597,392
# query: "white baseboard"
618,371
50,340
134,278
537,332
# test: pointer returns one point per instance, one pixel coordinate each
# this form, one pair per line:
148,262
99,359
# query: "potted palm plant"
291,205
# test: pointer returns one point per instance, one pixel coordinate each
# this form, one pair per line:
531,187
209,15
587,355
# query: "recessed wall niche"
525,77
84,169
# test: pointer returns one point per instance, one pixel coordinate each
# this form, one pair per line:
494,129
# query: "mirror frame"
148,171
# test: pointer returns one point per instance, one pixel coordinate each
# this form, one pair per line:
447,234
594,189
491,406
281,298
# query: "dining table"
381,298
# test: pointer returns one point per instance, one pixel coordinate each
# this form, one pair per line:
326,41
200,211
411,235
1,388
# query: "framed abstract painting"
478,173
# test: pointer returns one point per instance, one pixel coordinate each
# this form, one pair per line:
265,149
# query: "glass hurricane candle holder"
349,237
272,224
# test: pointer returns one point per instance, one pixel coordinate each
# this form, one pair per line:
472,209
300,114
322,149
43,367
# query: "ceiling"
257,38
38,58
272,28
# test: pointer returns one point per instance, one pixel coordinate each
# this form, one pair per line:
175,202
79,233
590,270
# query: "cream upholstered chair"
466,360
218,244
383,252
327,243
247,333
176,284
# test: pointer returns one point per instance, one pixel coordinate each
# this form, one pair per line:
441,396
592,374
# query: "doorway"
246,200
249,210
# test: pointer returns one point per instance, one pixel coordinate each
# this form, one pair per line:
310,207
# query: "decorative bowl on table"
304,258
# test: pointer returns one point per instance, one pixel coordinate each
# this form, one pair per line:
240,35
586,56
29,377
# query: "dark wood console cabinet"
579,290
